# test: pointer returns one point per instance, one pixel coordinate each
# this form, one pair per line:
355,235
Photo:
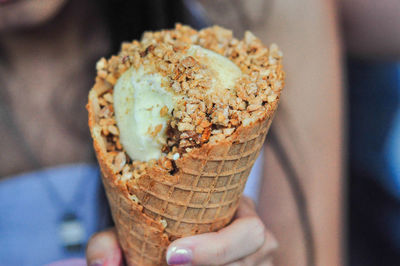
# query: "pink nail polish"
114,259
176,255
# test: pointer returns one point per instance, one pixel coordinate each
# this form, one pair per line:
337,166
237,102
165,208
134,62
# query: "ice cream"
143,102
142,109
198,102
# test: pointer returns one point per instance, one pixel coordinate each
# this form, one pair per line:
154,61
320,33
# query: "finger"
243,237
266,250
264,253
262,256
267,262
103,249
246,208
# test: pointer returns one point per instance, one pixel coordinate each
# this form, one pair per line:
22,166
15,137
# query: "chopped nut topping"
164,111
175,156
164,223
158,129
185,126
202,115
228,131
113,130
188,62
111,79
108,97
134,198
119,162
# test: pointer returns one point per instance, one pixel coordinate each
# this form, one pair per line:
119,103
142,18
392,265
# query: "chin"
22,14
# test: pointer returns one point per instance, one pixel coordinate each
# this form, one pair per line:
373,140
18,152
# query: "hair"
127,20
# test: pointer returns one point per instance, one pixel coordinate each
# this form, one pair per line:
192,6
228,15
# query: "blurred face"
19,14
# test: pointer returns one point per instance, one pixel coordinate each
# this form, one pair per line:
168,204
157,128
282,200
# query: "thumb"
244,236
103,249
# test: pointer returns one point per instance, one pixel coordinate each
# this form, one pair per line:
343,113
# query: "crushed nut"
163,223
119,162
134,198
201,116
185,126
113,130
164,111
108,97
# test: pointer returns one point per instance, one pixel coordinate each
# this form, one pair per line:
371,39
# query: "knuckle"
257,231
98,238
272,241
237,263
221,254
90,246
249,202
94,238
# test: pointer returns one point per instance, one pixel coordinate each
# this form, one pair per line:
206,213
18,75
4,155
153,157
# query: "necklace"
71,232
92,40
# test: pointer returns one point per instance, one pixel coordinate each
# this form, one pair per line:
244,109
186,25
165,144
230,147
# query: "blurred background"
329,184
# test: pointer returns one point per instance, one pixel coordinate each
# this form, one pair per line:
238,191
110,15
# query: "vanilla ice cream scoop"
143,104
225,72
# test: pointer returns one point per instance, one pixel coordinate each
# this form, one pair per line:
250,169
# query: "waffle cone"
201,197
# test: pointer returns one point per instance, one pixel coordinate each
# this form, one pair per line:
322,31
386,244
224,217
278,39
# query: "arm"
308,121
372,28
306,32
309,125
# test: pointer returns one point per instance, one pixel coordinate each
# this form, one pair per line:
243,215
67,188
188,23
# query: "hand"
244,242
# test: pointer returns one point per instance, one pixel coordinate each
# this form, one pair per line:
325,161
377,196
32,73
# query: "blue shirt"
30,216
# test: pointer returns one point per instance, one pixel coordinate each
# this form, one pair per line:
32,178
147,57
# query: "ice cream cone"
201,192
202,197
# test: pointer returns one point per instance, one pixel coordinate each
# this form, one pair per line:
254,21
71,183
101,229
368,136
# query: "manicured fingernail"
176,255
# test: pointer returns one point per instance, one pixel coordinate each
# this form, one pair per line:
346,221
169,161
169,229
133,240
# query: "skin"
49,64
311,110
17,15
244,242
311,129
42,62
309,124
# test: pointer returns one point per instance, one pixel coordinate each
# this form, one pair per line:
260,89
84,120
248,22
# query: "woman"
50,192
301,191
47,53
307,127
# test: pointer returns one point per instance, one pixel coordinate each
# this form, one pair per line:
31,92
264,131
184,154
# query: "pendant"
72,232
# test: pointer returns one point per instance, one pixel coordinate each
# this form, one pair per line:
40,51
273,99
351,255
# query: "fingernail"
96,263
176,255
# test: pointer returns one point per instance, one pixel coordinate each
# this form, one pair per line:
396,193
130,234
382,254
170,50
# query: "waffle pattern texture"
201,197
201,192
206,191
